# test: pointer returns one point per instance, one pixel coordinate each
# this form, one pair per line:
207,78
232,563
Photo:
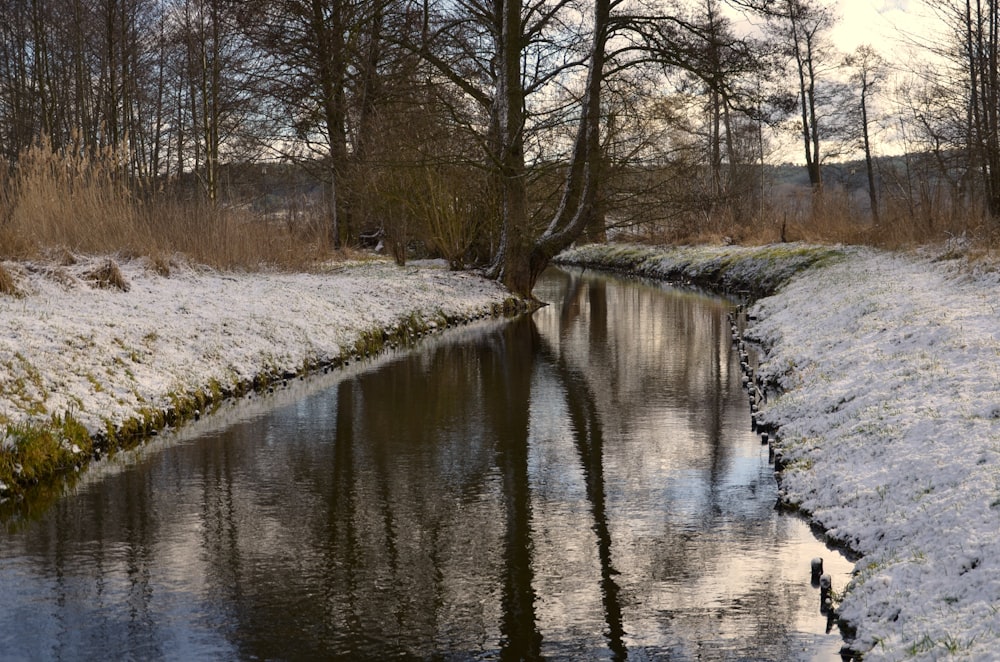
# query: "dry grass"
68,201
836,219
108,275
7,285
227,238
61,202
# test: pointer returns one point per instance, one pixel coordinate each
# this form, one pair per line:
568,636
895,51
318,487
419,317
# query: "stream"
579,484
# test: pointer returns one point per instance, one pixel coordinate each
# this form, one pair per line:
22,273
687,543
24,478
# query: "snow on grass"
102,354
889,421
760,269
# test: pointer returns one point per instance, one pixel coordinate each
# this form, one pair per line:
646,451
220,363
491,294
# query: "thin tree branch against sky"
883,24
903,32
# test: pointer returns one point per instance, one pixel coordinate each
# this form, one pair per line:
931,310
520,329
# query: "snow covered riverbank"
108,358
889,420
889,364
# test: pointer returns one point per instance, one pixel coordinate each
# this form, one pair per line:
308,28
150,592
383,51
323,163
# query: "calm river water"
580,484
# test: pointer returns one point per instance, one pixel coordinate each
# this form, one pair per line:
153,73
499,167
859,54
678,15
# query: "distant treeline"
430,121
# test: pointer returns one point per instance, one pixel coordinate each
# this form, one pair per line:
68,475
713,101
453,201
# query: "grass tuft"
108,275
66,258
33,452
8,286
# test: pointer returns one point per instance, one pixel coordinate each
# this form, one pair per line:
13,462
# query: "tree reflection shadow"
508,376
588,436
417,510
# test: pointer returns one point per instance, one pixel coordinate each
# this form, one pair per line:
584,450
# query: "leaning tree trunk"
524,255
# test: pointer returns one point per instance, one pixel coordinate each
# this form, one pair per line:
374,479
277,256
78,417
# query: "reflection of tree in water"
396,514
626,353
507,413
585,424
412,518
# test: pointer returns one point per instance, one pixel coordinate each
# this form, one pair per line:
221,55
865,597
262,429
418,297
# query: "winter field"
889,421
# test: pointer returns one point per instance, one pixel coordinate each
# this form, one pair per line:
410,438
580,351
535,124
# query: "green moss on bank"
33,451
36,455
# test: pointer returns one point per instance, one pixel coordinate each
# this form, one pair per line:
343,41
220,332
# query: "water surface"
579,484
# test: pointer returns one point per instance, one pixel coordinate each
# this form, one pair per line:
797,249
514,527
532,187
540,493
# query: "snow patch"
890,423
104,354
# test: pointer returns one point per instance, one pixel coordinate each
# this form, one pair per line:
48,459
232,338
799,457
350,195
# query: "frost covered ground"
889,420
103,354
889,364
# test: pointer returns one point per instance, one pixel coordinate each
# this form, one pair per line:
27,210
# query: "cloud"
886,25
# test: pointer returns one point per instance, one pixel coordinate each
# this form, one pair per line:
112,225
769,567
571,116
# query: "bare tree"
215,71
802,27
77,72
524,254
18,97
729,69
499,54
868,71
954,108
981,48
306,42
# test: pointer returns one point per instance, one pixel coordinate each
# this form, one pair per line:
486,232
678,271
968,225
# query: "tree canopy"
495,133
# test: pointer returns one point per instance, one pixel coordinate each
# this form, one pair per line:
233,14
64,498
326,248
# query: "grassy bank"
757,270
91,369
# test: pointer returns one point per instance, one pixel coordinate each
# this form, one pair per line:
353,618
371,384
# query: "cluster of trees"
498,131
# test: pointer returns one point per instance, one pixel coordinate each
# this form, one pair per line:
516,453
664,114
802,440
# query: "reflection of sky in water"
379,514
690,494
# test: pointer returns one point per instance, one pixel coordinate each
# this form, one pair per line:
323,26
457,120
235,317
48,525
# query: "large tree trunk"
508,110
524,255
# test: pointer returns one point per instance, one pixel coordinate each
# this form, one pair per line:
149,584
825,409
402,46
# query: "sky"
872,22
891,27
878,23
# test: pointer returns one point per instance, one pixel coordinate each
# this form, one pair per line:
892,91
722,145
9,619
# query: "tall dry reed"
73,199
836,217
68,198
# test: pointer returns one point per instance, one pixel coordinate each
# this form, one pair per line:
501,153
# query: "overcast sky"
891,27
879,23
